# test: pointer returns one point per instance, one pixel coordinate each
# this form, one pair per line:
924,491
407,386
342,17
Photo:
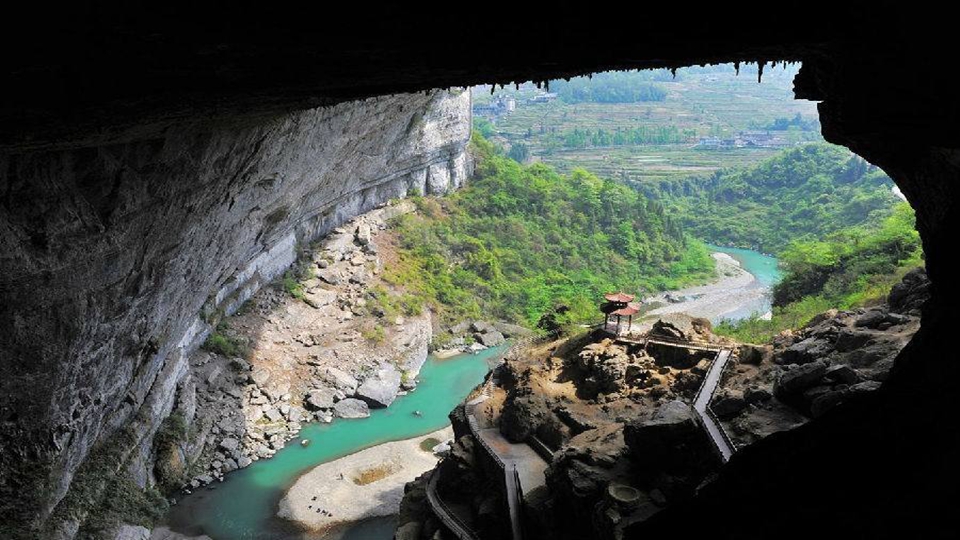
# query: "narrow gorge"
228,276
128,256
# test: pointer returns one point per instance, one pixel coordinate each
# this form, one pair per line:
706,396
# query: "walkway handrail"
449,518
723,430
704,384
540,448
511,478
666,340
475,431
725,446
514,503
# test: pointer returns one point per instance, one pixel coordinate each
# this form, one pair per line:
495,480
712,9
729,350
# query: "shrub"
374,333
292,286
427,444
226,345
170,469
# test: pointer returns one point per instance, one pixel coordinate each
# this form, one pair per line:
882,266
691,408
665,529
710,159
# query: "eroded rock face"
671,451
117,251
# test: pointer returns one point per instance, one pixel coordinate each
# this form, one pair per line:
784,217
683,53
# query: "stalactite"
760,64
736,68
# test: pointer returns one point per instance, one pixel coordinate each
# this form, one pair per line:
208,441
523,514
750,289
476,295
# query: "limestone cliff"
114,256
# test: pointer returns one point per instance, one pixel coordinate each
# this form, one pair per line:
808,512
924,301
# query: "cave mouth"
902,127
592,123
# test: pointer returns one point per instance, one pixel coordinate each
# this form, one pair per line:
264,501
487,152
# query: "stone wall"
111,256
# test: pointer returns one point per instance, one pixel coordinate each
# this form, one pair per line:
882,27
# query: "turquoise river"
764,268
242,507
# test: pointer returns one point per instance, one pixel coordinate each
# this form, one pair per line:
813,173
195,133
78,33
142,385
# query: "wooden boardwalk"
523,468
701,404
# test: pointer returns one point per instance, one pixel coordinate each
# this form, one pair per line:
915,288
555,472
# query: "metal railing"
723,430
667,340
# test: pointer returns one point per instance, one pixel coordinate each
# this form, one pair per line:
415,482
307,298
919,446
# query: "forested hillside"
613,87
806,192
519,240
852,267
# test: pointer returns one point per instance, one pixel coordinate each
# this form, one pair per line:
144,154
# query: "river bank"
243,506
364,485
743,287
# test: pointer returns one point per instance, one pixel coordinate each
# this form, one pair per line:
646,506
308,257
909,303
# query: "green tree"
519,152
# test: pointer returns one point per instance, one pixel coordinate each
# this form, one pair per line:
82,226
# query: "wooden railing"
540,448
450,519
725,447
513,489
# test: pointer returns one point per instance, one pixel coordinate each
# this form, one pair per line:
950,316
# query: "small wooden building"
619,304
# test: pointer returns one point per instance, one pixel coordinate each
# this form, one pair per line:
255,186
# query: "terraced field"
700,102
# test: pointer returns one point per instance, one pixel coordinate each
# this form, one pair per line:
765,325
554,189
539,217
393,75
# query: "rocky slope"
617,419
613,416
108,283
318,349
805,373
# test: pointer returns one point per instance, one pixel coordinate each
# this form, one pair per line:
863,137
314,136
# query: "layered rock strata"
119,257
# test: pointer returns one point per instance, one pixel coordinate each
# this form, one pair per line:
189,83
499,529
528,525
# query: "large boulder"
341,380
482,327
910,294
320,398
490,339
796,380
872,318
682,326
671,451
511,330
351,408
380,389
673,426
728,404
850,339
753,354
524,415
131,532
363,234
829,400
806,351
318,298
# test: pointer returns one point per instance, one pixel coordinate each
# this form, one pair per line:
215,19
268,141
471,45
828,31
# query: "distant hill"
804,192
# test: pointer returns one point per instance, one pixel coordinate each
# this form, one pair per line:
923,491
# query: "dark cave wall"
882,70
108,255
884,465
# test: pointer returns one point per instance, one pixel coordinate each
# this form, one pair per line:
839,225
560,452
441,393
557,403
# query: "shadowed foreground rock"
149,157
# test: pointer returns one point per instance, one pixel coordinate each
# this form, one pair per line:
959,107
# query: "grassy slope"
806,192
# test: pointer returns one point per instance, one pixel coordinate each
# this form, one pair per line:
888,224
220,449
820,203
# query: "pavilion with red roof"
621,305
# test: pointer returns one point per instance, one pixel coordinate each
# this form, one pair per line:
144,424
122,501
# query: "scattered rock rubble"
308,360
805,373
